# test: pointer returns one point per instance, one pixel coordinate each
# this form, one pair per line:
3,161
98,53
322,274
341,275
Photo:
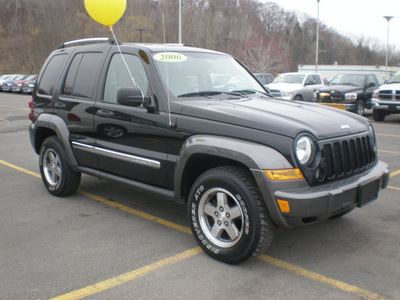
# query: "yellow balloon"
106,12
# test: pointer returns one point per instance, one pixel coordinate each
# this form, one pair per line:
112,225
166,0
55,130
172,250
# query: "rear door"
130,141
75,101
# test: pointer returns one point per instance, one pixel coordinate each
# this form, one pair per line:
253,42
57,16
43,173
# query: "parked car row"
17,83
351,92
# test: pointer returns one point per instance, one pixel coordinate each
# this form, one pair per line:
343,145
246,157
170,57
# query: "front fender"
250,154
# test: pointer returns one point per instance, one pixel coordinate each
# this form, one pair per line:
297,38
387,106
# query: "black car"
156,117
354,91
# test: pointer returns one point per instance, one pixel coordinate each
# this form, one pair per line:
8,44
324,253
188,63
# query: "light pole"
180,22
388,18
141,33
317,40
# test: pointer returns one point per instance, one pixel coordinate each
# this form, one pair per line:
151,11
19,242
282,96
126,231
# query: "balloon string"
126,65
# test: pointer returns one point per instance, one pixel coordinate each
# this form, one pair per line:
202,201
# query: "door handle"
105,113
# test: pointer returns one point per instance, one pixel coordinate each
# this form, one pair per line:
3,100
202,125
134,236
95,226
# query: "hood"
340,88
282,117
288,87
390,86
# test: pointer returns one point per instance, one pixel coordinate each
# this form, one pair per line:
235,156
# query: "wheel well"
41,134
200,163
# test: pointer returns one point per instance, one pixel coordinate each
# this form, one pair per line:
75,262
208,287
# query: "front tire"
378,115
229,219
360,108
58,177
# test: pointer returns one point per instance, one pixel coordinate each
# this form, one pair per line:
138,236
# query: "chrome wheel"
52,167
221,217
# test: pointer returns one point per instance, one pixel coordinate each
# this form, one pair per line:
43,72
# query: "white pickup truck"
296,86
386,99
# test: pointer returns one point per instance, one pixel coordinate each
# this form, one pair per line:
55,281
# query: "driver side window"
118,76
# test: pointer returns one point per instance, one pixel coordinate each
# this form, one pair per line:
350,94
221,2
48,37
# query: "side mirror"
371,84
129,96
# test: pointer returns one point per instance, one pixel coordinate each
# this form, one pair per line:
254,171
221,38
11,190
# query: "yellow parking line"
395,173
392,152
393,188
20,169
136,212
3,120
98,287
124,278
14,107
320,278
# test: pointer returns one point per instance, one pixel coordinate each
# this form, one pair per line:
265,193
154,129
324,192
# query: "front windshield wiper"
252,91
392,82
207,94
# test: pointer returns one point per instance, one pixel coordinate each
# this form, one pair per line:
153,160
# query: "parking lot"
110,241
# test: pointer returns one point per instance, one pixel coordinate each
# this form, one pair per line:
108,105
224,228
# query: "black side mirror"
130,96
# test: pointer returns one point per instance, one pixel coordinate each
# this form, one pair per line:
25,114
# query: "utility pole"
388,18
317,40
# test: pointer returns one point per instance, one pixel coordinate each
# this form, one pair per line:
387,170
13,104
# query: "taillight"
30,103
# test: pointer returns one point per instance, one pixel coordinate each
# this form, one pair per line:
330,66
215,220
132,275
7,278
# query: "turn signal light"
284,174
284,206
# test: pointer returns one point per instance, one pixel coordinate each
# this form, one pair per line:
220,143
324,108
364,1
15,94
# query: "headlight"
375,94
371,134
286,94
305,150
350,96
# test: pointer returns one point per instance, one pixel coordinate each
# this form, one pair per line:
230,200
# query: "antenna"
167,79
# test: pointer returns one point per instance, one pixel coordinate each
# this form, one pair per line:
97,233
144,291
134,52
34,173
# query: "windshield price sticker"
170,57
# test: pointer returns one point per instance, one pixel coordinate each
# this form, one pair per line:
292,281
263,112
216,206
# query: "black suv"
195,125
354,91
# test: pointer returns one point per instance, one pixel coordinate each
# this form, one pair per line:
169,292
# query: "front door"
130,141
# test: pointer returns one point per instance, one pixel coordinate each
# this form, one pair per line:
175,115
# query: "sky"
353,18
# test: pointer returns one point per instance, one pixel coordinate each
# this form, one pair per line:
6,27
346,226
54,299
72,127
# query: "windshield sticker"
170,57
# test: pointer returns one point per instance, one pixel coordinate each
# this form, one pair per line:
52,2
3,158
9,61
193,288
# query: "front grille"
275,93
341,158
389,94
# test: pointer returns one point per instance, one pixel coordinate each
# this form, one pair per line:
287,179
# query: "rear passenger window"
82,74
51,74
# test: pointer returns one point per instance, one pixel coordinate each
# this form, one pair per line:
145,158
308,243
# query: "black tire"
378,115
360,108
58,177
229,219
298,98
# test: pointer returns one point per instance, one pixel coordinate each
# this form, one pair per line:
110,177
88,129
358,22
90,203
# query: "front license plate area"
367,192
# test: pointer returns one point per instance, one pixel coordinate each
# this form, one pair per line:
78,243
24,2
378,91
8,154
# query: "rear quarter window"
51,74
82,75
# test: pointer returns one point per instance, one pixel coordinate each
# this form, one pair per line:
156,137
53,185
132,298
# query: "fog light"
284,206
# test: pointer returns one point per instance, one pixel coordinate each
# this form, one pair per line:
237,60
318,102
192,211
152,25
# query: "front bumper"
390,106
313,204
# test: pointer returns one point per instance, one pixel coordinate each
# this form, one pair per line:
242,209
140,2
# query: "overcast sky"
353,18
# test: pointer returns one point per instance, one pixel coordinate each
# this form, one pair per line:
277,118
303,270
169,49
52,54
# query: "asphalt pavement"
111,241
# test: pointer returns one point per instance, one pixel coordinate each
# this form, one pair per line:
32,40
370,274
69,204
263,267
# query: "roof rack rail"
90,40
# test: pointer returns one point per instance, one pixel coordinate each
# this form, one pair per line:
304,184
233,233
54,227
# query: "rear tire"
229,219
58,177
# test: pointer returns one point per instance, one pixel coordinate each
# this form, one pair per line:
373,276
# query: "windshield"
348,79
395,78
190,74
289,78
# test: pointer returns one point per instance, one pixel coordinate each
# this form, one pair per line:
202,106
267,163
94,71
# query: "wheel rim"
113,131
52,167
221,217
360,108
